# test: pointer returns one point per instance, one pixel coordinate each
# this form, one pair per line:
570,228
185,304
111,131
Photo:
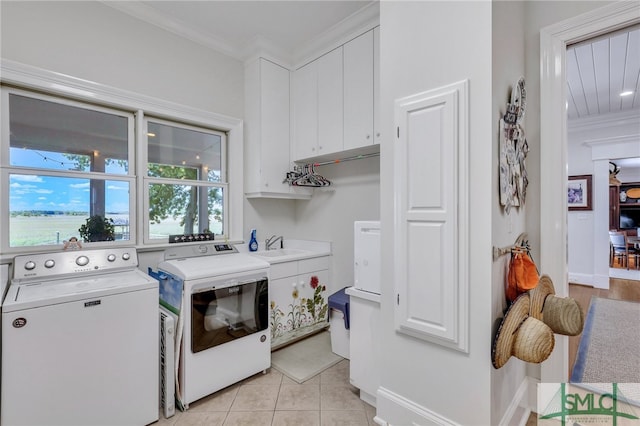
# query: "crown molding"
152,16
259,46
604,120
337,35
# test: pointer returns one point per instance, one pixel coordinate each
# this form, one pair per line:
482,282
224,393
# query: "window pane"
184,210
62,137
176,152
47,210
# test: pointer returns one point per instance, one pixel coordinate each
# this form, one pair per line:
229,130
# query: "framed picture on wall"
579,192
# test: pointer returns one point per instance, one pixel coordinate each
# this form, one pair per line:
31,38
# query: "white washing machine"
80,340
221,301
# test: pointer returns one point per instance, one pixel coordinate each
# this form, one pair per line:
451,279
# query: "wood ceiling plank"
600,51
575,83
617,60
632,69
584,57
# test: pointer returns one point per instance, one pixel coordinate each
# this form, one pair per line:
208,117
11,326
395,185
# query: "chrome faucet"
272,240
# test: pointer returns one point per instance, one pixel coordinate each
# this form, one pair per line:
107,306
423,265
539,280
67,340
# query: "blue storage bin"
340,301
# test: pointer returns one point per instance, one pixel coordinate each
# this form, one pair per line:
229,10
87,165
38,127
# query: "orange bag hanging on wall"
522,276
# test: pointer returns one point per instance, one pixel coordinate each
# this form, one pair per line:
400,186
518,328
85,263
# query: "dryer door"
220,315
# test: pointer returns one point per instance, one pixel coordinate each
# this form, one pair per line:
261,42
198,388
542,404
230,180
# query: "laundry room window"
185,180
66,162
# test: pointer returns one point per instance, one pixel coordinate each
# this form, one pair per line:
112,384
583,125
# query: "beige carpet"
609,350
306,358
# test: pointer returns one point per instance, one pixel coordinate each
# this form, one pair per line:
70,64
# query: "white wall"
329,215
95,42
508,65
425,45
354,194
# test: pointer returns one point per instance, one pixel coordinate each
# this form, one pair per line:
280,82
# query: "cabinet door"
284,299
313,291
274,150
305,110
376,84
330,104
614,201
358,91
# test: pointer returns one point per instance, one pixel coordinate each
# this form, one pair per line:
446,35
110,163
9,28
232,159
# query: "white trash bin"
339,323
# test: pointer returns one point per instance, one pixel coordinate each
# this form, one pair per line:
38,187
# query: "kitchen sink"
280,252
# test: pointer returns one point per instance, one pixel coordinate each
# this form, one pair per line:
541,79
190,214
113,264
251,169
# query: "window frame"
6,169
148,180
29,78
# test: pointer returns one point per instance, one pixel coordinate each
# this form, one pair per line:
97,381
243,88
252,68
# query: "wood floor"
617,263
618,289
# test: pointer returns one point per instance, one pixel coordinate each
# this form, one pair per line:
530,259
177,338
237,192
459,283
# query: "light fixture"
151,134
627,93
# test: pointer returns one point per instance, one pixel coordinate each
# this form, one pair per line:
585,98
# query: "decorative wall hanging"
613,174
513,150
579,192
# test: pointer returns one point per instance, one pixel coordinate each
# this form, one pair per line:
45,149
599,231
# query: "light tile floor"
327,399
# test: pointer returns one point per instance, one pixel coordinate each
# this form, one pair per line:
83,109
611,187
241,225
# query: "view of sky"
39,192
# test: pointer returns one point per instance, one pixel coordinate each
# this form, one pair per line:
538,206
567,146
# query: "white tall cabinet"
267,131
318,107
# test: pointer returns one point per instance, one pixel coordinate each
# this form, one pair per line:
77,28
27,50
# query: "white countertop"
293,250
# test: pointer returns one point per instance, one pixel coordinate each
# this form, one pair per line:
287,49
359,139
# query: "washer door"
221,315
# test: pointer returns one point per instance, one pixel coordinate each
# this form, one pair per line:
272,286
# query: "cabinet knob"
319,147
378,134
368,136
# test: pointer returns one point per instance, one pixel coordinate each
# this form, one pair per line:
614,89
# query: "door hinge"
398,299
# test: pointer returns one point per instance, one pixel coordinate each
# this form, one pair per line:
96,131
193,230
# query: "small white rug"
306,358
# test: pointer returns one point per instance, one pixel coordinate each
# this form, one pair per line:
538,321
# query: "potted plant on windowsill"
97,228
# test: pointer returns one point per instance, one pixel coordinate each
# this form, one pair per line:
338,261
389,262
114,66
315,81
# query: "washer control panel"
41,265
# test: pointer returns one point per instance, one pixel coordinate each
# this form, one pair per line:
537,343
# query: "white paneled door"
431,216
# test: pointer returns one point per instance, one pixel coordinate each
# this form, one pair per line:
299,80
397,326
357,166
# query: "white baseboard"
584,279
597,281
519,408
405,412
601,281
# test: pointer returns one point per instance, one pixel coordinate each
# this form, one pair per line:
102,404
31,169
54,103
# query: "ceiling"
237,28
599,70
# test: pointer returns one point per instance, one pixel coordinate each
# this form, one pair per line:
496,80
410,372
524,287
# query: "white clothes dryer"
80,340
221,299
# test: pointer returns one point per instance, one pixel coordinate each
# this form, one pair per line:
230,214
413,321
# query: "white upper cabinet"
317,107
358,91
330,115
267,131
305,111
335,100
376,85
